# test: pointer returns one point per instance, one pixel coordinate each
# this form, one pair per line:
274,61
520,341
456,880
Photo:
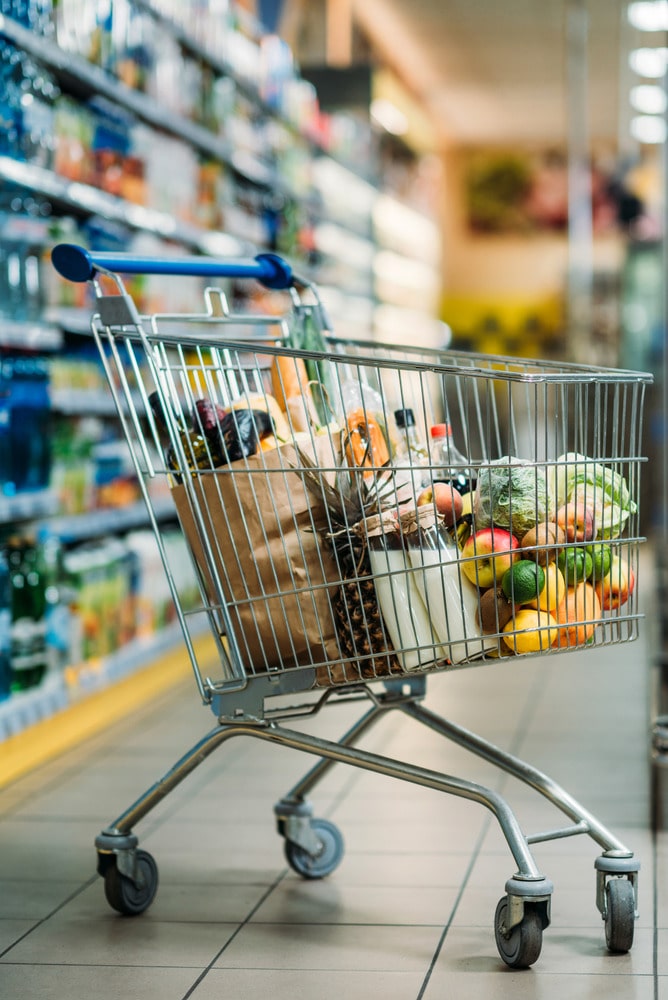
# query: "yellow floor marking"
47,739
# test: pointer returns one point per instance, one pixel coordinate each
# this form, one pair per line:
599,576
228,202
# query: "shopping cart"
332,569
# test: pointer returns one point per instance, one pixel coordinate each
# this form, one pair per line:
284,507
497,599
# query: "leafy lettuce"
581,479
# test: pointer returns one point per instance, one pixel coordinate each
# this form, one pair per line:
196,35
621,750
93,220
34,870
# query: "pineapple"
361,633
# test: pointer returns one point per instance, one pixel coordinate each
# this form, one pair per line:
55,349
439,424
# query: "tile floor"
407,915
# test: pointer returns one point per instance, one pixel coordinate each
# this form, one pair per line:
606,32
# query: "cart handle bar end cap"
79,264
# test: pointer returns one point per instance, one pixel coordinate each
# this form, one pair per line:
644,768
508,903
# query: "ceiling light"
649,16
648,129
389,116
648,99
648,62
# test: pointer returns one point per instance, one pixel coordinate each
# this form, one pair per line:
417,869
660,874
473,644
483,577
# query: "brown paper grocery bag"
257,524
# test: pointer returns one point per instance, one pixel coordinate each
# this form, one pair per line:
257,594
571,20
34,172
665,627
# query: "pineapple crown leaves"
351,500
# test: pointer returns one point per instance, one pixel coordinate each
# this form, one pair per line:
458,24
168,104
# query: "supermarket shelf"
69,319
42,506
28,506
249,89
27,708
84,197
75,528
70,66
29,336
89,402
73,67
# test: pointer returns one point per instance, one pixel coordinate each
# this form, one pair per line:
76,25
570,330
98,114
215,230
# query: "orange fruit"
577,616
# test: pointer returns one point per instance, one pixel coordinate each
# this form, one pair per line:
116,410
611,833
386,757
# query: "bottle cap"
441,430
404,418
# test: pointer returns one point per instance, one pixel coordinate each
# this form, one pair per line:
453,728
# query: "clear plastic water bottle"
450,466
411,453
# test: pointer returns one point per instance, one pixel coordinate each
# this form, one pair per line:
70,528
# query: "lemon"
523,582
531,631
553,592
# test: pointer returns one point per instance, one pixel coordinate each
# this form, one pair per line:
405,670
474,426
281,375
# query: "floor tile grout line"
277,881
56,909
441,941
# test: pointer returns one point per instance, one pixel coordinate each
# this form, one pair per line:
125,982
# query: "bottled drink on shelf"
5,627
411,451
56,604
450,466
28,627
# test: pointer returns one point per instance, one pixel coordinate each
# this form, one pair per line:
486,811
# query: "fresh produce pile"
542,549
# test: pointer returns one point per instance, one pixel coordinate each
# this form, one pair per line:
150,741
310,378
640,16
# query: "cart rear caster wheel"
327,858
124,895
520,947
620,916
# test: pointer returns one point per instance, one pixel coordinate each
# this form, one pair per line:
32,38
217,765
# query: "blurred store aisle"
409,912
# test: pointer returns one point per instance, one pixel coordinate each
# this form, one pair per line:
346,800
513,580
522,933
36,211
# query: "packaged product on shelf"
28,658
100,575
27,96
115,478
73,129
5,627
111,144
56,601
27,409
73,470
24,234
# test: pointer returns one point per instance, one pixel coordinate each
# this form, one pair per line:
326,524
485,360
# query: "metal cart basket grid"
335,565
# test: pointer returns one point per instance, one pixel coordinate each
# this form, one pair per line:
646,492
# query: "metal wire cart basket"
338,560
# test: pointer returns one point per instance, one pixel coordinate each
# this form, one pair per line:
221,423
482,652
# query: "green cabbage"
604,491
513,494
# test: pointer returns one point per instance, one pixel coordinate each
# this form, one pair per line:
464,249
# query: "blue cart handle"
78,264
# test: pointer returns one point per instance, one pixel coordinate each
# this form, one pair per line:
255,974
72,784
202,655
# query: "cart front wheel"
127,896
327,858
520,946
620,916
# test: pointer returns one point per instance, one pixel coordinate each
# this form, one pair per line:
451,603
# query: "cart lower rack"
338,561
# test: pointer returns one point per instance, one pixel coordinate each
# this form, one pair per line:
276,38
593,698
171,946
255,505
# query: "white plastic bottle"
450,600
401,604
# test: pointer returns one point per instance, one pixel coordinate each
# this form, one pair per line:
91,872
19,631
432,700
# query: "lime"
576,564
601,558
523,582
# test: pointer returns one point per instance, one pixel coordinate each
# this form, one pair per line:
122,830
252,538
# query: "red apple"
577,521
617,585
446,499
488,553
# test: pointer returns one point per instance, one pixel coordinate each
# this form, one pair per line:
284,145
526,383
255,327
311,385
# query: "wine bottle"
200,452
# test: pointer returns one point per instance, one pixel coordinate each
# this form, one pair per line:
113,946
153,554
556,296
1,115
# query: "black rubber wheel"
328,857
620,919
122,893
520,947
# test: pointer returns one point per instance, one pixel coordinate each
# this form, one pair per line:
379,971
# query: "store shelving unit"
349,220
